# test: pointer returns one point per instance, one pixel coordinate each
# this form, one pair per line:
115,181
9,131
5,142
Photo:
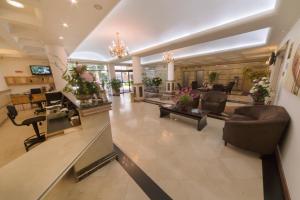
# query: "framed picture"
292,80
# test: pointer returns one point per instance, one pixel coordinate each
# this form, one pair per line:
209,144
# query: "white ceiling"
25,32
144,24
150,28
245,40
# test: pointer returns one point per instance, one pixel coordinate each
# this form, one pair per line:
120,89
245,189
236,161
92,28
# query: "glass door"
126,78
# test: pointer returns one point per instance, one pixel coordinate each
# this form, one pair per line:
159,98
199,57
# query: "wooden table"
201,116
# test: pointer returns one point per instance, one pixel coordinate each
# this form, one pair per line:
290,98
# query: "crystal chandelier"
118,48
168,57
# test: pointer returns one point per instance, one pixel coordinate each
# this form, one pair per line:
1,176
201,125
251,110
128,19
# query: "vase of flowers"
186,99
81,83
260,90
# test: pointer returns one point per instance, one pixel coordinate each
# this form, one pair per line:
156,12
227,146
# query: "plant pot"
116,92
257,103
83,98
183,107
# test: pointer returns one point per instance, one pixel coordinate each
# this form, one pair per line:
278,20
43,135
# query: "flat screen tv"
40,70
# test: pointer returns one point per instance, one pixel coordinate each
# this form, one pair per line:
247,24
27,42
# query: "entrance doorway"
126,78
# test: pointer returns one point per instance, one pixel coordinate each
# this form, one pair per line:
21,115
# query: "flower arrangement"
81,83
148,82
260,89
185,97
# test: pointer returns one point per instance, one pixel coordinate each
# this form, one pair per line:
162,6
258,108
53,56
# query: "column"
57,57
138,87
111,71
170,83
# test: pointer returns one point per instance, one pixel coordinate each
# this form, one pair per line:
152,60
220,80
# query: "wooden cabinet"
28,80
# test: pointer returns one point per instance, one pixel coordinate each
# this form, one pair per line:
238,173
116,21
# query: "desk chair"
38,137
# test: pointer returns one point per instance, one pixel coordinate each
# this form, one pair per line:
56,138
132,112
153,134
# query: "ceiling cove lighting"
15,3
241,41
118,48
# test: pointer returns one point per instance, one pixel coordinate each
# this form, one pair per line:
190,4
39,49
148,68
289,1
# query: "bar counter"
83,148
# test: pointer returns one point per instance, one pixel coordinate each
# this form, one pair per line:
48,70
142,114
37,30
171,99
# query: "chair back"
218,87
12,112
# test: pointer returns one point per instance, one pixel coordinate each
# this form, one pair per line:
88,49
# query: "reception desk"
82,149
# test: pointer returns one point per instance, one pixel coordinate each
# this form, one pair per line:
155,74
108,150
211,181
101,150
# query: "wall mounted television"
40,70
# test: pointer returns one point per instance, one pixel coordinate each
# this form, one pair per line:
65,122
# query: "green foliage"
156,81
252,75
78,85
212,77
148,82
115,84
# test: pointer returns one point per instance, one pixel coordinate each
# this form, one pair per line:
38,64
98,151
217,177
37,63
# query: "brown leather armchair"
214,101
256,128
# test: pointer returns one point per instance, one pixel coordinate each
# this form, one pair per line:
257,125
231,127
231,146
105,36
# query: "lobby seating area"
158,100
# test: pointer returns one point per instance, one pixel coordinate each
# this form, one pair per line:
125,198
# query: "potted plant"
212,77
156,81
260,90
115,84
185,99
81,83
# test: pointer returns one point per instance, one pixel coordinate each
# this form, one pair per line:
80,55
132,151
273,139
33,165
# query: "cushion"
34,119
238,117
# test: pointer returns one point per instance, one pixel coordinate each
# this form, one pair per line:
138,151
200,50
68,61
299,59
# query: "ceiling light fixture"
168,57
118,48
65,25
74,1
61,37
15,3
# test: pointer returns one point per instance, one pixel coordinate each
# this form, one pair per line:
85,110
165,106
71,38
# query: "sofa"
214,101
256,128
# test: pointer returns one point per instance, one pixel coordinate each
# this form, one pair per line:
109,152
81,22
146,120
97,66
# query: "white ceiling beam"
19,18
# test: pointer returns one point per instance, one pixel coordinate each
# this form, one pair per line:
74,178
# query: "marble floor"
187,164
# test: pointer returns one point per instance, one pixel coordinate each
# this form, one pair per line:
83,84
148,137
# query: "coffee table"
197,114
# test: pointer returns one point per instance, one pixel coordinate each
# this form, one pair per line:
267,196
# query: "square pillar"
138,92
170,86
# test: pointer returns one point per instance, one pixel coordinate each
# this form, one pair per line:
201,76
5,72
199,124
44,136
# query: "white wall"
290,149
3,85
10,66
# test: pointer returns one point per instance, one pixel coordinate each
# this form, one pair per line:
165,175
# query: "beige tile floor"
184,162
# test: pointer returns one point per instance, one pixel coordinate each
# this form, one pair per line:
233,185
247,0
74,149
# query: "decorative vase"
258,101
182,107
83,98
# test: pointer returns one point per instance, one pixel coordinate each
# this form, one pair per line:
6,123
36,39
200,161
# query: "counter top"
76,102
35,173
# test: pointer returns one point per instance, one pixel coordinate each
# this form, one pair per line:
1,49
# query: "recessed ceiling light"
15,3
65,25
61,37
74,1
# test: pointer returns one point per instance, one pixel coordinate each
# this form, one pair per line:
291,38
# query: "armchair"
214,101
256,128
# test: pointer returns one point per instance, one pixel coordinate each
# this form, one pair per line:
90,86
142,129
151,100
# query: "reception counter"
83,149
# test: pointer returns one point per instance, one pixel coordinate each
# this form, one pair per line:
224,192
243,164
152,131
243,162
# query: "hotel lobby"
125,100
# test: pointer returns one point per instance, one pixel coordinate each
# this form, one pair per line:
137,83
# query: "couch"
214,101
256,128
